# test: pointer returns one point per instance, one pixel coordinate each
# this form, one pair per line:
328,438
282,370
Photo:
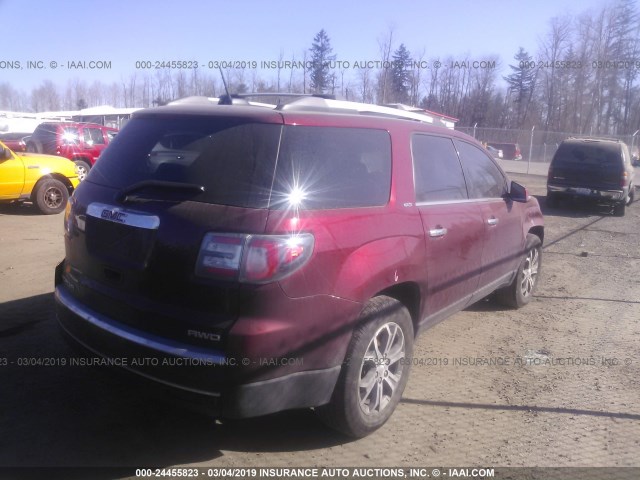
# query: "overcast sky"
122,32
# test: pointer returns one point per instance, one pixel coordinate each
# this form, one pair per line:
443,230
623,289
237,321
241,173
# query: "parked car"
16,141
592,169
45,180
510,151
494,152
279,258
80,142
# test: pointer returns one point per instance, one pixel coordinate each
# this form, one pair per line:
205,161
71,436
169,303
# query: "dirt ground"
554,384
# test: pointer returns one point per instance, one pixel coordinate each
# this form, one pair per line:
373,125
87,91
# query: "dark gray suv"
592,169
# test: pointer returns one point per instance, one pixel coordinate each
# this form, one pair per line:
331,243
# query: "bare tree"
385,45
45,97
553,49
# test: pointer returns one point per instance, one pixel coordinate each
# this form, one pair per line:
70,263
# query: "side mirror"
5,153
518,193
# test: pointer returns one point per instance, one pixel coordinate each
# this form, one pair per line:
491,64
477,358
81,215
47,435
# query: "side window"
333,167
484,178
93,136
626,158
437,170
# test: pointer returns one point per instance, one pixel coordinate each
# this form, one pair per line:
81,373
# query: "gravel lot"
554,384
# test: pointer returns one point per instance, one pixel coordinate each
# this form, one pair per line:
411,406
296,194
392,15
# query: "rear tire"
50,196
375,370
520,292
619,209
552,200
631,196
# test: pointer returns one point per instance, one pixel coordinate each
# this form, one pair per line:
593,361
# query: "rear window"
46,133
238,163
233,160
588,154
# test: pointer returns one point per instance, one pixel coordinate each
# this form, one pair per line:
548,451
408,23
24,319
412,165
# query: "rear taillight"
253,258
624,181
220,255
72,221
68,218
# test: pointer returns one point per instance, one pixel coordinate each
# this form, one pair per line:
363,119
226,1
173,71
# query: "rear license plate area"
123,244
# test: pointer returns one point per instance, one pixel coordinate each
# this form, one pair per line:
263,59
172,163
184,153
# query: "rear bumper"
613,195
206,373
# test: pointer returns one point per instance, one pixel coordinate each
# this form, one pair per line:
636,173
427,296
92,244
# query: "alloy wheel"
530,272
381,369
53,197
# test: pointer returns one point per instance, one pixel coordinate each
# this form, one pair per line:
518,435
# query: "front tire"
82,169
520,292
50,196
375,371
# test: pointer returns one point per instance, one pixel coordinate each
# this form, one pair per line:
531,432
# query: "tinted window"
588,154
484,178
333,167
318,167
437,170
232,159
45,135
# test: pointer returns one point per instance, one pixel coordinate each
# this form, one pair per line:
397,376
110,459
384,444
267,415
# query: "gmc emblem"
113,215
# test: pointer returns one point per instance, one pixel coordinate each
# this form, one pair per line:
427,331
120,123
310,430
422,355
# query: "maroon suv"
270,259
16,141
80,142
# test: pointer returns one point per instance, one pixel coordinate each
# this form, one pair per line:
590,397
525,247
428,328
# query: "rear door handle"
493,221
437,232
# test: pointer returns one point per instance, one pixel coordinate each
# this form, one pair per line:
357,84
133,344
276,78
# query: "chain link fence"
537,145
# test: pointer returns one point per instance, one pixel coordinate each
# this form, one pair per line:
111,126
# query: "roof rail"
312,102
327,96
589,137
242,98
194,100
315,104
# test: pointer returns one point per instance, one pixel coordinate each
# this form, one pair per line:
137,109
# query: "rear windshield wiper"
159,184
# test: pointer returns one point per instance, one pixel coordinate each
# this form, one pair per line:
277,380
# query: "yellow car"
45,180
